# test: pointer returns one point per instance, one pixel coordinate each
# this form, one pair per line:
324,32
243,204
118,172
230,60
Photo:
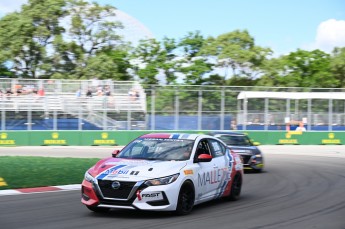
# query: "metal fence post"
200,110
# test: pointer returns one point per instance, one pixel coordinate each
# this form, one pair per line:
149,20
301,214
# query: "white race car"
164,172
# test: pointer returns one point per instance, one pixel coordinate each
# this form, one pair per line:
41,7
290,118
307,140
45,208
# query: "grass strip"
28,172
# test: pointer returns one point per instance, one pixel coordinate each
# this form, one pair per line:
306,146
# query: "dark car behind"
241,144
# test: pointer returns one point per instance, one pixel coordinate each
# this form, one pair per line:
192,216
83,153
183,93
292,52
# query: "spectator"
89,93
137,95
41,92
100,91
233,125
78,93
131,94
34,90
107,91
301,127
9,92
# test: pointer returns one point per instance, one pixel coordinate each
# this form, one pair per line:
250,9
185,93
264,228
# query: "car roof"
172,136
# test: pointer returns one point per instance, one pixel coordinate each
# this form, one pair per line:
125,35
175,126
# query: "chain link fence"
43,104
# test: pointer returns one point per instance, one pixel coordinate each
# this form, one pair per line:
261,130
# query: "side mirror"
204,158
115,153
256,143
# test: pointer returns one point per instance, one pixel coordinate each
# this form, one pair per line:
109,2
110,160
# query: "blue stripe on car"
106,172
175,136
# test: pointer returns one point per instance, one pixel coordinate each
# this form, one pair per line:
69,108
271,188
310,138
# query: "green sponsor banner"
51,138
100,138
120,138
14,138
297,137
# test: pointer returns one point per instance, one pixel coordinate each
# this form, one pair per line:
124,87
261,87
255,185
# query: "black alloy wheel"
236,187
185,200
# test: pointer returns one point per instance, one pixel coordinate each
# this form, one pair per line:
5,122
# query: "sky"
283,25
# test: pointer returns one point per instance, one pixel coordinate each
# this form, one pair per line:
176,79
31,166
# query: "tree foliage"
338,66
76,39
237,56
61,39
299,69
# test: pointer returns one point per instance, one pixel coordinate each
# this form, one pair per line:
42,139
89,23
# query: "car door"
203,180
211,175
220,167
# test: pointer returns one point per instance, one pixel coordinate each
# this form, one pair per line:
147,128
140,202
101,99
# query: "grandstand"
64,105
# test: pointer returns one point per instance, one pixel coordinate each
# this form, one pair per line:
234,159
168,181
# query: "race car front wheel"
185,201
98,210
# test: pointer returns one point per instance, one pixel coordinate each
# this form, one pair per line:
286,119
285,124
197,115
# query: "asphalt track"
301,187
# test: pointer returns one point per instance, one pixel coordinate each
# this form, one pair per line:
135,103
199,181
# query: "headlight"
88,177
162,180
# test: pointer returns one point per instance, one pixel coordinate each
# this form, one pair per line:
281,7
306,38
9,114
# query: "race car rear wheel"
96,209
185,200
236,187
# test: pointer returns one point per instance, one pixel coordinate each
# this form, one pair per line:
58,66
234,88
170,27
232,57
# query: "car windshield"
235,140
158,149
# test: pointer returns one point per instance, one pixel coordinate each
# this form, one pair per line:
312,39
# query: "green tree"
93,33
144,60
338,66
62,39
237,56
299,69
194,67
27,35
5,72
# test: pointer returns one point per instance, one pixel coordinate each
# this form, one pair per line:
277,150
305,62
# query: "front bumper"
252,162
135,196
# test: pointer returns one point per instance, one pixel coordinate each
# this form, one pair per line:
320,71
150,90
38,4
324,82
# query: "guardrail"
109,138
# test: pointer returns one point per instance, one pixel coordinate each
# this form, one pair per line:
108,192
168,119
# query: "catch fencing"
115,105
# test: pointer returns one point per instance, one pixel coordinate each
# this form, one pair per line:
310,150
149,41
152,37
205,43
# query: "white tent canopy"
265,115
291,95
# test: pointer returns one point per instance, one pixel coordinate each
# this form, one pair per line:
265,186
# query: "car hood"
135,170
245,150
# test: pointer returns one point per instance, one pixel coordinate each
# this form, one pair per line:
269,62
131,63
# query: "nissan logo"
115,185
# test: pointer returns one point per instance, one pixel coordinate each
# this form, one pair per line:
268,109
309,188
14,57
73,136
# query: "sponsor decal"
288,139
2,182
128,161
120,171
212,177
112,171
5,141
134,173
104,140
166,139
331,139
188,172
295,132
152,196
55,140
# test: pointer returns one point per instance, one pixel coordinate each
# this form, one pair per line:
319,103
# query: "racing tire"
185,202
236,187
97,209
258,170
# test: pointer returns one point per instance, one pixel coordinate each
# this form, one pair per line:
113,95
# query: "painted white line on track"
59,188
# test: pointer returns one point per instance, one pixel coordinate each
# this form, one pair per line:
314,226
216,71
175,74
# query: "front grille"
121,193
118,202
246,158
